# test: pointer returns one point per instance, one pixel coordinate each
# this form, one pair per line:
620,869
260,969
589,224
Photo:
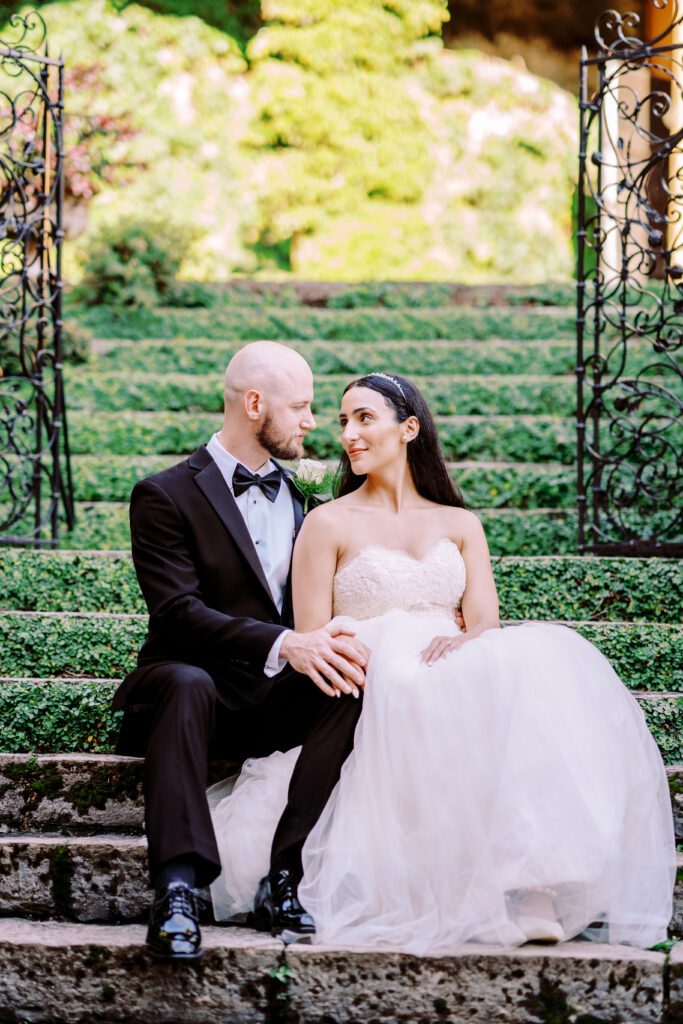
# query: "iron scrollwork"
35,475
630,288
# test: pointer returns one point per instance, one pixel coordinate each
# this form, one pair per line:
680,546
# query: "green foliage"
529,588
245,324
133,263
485,395
44,645
104,526
665,721
509,439
647,656
337,141
76,339
337,134
624,589
50,715
156,103
54,715
411,358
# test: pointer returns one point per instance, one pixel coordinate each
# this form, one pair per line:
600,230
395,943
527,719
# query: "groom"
221,673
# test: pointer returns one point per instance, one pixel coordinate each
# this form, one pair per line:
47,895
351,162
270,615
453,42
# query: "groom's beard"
280,447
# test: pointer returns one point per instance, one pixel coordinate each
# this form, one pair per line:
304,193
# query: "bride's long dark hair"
425,458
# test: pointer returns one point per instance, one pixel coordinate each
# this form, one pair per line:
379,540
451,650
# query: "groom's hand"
328,656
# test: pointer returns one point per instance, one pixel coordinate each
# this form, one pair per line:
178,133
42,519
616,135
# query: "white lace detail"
378,579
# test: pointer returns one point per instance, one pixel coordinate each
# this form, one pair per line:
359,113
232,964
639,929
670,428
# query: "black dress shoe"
173,932
277,908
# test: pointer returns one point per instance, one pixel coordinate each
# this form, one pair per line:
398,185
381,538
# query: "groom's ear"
253,403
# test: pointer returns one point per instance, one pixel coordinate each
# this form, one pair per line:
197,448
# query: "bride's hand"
441,647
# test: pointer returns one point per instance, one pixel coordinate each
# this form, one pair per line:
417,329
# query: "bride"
503,785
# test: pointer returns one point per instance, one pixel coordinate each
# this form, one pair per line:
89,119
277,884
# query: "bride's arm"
326,654
480,600
314,564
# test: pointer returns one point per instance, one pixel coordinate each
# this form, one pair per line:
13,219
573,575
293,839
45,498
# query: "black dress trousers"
189,725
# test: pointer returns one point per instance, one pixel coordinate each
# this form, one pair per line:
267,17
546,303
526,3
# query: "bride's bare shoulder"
324,520
466,524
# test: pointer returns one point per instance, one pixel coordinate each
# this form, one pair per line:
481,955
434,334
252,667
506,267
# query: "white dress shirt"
271,527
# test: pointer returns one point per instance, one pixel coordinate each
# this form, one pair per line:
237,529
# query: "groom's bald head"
268,395
266,367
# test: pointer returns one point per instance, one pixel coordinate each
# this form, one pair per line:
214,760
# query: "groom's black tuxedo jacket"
208,599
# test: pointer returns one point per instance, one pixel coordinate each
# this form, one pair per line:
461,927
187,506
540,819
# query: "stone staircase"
73,887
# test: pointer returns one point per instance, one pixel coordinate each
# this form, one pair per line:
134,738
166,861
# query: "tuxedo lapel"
210,481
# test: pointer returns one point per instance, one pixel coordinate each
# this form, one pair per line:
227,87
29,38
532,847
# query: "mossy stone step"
537,587
78,793
104,525
417,359
82,794
101,878
65,973
359,325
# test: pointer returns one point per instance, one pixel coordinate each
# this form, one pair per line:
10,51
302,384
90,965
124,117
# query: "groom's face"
288,416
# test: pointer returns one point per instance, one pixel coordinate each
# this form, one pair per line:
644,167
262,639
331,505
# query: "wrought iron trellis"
35,471
630,286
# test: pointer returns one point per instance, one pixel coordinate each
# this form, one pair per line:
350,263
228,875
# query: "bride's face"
372,437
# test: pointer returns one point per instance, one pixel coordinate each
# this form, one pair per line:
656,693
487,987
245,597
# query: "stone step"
412,359
103,878
533,587
646,655
85,793
60,973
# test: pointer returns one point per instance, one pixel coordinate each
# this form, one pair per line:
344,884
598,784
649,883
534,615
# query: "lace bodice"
378,579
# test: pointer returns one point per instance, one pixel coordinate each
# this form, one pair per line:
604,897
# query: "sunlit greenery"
306,137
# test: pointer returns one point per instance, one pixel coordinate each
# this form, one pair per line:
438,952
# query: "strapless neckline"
400,552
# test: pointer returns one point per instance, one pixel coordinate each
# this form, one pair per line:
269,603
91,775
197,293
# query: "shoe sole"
172,957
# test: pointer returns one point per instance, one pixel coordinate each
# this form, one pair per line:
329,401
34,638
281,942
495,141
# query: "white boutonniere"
313,481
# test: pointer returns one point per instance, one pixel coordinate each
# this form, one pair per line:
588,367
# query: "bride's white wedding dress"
519,762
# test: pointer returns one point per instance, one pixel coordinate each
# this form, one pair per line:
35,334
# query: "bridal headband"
392,380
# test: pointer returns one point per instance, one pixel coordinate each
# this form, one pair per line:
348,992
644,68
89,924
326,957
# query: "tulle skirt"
519,762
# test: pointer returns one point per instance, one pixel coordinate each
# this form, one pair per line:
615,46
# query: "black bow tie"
242,480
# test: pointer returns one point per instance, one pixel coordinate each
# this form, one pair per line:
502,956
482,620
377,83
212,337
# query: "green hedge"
482,395
353,325
504,438
47,715
105,526
70,717
100,646
413,359
388,294
598,589
512,485
465,396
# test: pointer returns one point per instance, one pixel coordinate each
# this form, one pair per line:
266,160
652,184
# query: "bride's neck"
392,489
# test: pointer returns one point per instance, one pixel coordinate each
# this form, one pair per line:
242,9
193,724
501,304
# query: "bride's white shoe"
507,935
536,917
